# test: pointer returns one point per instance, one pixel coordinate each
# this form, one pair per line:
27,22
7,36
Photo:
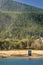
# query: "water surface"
19,61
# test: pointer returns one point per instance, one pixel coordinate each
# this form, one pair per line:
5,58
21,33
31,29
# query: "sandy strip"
21,53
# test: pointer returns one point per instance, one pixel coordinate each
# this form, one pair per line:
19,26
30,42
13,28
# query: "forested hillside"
17,29
19,25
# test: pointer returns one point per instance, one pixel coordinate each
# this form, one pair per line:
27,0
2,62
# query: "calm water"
21,61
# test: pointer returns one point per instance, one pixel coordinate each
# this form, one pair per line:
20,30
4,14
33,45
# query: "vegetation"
17,30
20,26
11,44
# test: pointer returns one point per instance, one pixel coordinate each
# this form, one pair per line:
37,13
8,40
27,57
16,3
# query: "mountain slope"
18,20
11,5
20,25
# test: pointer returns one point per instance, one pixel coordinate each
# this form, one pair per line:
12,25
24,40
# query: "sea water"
19,61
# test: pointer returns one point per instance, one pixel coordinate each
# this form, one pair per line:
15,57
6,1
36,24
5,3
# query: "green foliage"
16,26
20,25
20,21
21,44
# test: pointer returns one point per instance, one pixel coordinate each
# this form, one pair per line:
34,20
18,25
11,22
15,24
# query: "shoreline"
21,54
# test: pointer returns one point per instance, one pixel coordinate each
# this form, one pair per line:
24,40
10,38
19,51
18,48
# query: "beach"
21,53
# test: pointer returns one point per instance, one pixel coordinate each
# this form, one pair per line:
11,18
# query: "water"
15,61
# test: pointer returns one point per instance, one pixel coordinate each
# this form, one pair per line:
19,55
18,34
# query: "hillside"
20,25
10,5
17,28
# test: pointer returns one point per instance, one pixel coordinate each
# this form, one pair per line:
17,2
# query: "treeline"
11,44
